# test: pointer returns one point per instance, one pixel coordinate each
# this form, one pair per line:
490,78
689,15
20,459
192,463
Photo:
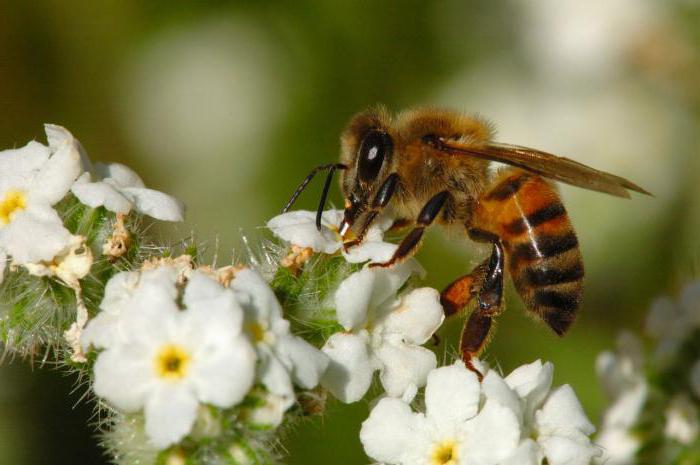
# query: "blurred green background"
228,105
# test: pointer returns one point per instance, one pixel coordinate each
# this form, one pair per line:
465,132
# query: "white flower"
167,361
33,179
284,358
119,189
622,377
511,421
452,431
672,322
299,228
682,420
554,419
383,333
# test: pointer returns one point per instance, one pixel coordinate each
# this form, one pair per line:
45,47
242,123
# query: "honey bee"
427,166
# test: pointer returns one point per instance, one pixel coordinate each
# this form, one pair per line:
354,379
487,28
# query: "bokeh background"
228,105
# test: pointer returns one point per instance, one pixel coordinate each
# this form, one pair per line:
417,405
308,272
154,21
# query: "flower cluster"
34,178
381,330
196,364
518,419
174,338
654,410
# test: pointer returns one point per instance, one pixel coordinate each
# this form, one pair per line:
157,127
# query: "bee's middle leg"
409,244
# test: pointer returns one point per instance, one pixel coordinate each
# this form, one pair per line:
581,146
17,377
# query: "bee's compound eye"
374,148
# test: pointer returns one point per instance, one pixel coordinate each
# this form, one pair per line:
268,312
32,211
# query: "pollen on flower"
445,453
13,201
172,362
257,332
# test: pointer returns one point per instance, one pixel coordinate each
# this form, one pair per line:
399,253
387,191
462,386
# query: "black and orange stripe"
542,251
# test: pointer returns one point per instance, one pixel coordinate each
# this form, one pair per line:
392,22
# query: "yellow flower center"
444,453
172,362
13,201
257,332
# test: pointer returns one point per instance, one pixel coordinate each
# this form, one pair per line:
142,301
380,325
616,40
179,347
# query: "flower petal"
307,362
224,373
561,450
19,166
492,435
562,413
118,174
352,299
274,375
417,316
54,179
123,376
404,367
452,394
170,413
100,194
256,297
496,388
155,204
299,228
532,383
34,235
351,366
527,453
375,251
390,430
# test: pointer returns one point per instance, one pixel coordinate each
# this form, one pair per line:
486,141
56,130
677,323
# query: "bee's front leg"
380,201
410,242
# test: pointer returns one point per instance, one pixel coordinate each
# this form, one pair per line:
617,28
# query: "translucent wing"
543,163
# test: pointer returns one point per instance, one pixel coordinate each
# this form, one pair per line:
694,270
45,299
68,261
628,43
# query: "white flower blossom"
623,379
452,431
33,178
682,423
119,189
299,228
284,358
511,421
165,360
383,333
672,322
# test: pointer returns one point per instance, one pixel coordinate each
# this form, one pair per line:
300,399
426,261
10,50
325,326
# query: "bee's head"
368,153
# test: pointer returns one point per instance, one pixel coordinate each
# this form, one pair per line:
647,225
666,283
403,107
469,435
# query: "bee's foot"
350,244
381,265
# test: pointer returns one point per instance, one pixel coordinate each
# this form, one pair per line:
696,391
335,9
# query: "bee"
432,166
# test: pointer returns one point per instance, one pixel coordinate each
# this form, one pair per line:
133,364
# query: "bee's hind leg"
486,283
410,242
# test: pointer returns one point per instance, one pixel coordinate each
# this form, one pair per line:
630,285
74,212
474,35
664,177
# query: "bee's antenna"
331,167
324,194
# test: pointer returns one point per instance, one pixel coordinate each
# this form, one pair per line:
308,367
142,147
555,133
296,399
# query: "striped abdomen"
542,252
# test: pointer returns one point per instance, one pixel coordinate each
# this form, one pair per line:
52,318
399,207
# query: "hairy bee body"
429,166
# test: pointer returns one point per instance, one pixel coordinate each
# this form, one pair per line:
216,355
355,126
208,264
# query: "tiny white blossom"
284,358
623,379
383,332
33,178
671,322
165,360
456,429
119,189
682,420
554,419
299,228
515,420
